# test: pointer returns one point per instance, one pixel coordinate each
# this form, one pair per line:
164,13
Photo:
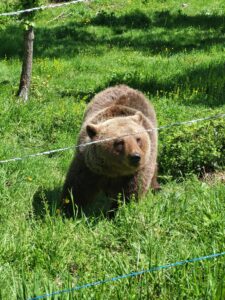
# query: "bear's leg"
80,188
122,189
154,183
79,196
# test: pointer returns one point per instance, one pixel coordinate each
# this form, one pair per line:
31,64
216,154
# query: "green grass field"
175,55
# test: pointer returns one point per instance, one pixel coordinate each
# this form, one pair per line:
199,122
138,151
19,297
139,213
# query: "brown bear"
120,155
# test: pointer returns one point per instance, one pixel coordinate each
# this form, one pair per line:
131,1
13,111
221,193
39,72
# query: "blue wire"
179,263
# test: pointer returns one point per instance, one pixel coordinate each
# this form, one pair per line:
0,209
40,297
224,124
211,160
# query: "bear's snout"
134,159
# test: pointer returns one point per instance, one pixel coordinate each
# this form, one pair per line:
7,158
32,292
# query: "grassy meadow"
174,54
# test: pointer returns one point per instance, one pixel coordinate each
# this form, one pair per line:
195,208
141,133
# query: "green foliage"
29,3
196,148
28,24
49,254
28,17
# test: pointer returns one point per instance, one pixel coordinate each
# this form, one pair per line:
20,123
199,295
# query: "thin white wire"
110,139
15,13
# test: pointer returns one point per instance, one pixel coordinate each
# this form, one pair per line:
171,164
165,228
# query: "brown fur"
106,167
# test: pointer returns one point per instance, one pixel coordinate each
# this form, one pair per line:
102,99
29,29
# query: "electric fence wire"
42,7
132,274
109,139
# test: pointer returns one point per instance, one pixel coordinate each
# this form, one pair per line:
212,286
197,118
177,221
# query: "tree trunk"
27,63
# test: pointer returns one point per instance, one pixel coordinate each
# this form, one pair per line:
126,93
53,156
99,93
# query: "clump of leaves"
192,149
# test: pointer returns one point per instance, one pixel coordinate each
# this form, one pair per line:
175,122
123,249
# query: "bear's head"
125,148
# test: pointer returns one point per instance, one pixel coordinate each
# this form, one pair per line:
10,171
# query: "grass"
49,254
176,57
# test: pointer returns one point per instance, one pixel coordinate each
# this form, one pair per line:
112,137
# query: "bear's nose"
135,158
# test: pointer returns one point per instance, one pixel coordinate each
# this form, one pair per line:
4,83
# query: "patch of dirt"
214,177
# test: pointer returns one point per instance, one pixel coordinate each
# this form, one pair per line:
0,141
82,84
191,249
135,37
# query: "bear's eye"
119,145
138,140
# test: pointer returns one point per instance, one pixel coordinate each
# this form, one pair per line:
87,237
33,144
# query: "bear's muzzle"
134,159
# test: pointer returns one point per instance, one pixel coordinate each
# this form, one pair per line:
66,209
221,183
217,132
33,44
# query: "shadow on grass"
138,19
59,41
179,32
48,202
69,39
206,85
207,81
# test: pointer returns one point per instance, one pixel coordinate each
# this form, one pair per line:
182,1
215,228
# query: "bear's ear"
92,130
138,118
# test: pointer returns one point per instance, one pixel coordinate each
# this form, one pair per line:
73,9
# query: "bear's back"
120,95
